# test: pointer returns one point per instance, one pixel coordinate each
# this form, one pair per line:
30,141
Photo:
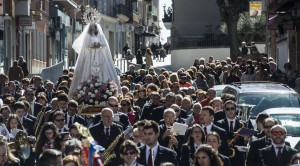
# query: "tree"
249,28
230,12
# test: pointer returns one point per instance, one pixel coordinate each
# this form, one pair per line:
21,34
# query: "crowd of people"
136,127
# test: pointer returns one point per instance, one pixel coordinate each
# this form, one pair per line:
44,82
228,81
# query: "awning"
272,19
69,4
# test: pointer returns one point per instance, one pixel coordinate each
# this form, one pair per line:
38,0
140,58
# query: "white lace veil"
81,73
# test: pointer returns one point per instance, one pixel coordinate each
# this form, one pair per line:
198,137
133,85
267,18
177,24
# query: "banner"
255,8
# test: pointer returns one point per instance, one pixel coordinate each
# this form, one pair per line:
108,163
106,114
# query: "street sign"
255,8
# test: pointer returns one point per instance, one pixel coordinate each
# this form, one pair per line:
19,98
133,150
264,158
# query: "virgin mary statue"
94,58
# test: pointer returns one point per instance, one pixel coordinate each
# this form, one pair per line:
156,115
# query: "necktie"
231,126
205,130
150,161
279,153
107,132
70,122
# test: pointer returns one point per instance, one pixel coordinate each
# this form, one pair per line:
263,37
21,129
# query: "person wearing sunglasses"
129,153
278,153
260,143
119,117
232,124
60,122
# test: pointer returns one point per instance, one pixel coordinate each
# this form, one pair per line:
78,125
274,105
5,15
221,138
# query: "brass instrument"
109,153
232,141
21,145
170,145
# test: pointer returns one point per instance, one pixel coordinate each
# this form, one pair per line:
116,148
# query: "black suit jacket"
37,108
124,120
98,133
158,113
255,146
223,136
28,125
77,119
16,96
226,161
219,115
268,156
147,111
50,95
239,157
186,155
163,155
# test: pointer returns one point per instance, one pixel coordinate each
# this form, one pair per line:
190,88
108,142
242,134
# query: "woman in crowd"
206,156
249,74
126,108
195,139
13,123
7,158
148,55
5,112
129,153
213,139
47,138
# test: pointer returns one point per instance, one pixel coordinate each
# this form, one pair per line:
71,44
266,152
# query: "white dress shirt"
154,152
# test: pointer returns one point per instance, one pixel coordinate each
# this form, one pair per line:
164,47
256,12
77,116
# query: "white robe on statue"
92,61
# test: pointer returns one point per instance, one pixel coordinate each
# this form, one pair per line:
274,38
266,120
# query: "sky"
164,32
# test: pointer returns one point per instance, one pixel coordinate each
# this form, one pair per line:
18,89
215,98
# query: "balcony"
123,13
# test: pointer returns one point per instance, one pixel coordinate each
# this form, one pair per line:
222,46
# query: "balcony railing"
206,41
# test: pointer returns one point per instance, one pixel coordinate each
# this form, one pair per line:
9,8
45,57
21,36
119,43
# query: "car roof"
283,110
259,87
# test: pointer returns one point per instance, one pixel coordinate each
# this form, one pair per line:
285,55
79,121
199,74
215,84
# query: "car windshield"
290,121
262,101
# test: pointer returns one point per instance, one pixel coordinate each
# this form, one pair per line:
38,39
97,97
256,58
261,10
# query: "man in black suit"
50,94
158,112
152,153
35,107
19,109
206,120
60,121
260,143
149,106
221,113
276,154
119,117
105,132
231,124
12,90
71,116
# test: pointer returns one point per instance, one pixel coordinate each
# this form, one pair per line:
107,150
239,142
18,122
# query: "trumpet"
173,135
22,145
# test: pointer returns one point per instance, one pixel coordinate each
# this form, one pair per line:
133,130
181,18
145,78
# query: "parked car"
290,119
255,97
219,89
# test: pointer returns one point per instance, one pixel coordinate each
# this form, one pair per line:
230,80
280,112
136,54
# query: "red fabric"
205,102
187,84
131,117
